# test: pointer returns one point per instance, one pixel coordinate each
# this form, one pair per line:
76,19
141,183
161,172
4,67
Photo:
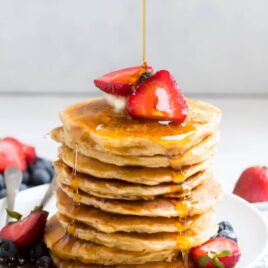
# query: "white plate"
249,225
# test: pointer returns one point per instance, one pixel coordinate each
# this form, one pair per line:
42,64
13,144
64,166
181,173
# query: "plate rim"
262,220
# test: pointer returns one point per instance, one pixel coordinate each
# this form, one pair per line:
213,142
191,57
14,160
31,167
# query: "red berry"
253,184
11,155
28,151
160,98
25,233
225,250
121,82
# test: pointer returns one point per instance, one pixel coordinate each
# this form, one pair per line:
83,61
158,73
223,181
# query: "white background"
211,46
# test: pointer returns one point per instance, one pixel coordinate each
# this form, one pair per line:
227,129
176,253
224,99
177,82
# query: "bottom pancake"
142,242
67,247
178,263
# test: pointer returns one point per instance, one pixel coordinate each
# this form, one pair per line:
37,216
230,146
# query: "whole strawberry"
253,184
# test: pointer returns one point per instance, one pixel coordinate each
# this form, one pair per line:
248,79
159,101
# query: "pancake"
94,122
202,199
142,242
141,175
200,152
110,223
178,263
115,189
67,247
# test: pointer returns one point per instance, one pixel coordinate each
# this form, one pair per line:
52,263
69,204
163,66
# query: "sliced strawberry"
218,252
11,155
121,82
25,233
28,151
158,97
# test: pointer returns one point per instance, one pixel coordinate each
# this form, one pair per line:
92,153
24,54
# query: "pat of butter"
119,103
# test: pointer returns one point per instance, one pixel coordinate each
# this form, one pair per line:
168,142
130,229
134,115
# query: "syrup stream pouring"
13,178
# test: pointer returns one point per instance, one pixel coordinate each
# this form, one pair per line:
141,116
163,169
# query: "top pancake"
94,122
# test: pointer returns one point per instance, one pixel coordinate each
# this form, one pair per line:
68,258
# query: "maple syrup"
184,237
144,61
75,188
179,175
99,117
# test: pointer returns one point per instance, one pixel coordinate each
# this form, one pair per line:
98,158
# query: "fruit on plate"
121,82
21,240
158,97
11,155
25,233
36,170
226,230
8,250
219,252
28,151
252,184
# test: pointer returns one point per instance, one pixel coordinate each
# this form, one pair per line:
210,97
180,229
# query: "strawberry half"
11,155
158,97
218,252
25,233
28,151
122,81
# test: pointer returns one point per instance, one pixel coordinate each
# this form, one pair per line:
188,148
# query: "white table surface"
244,130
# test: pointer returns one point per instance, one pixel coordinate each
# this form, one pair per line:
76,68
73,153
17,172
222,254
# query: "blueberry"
48,166
225,225
42,163
35,165
45,164
40,176
26,177
228,234
2,182
44,262
3,193
38,251
23,187
21,260
8,250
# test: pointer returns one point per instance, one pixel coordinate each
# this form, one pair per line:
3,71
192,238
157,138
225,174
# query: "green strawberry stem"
14,214
214,257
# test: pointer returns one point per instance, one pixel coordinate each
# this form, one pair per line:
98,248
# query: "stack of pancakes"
132,193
